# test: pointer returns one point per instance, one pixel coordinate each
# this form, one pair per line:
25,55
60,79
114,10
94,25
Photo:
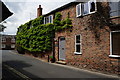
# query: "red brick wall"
95,34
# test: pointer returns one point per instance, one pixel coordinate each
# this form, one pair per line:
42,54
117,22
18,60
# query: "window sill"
90,13
113,17
79,16
114,56
77,53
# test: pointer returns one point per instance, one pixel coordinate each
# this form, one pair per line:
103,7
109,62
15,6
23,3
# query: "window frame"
4,46
95,6
51,19
44,20
78,44
12,45
111,54
114,11
3,39
80,4
89,7
82,8
12,40
48,19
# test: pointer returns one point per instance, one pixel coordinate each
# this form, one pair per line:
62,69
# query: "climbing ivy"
60,25
35,36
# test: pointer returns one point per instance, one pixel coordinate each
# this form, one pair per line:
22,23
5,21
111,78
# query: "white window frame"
44,20
3,39
95,6
82,8
12,45
3,45
51,19
89,7
31,26
12,40
78,43
48,19
111,54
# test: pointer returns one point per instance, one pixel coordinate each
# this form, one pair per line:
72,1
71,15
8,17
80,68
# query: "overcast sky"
24,10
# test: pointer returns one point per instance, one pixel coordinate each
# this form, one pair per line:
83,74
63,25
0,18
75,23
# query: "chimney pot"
39,6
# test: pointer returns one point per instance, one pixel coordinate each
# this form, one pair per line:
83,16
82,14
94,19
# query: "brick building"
93,42
8,42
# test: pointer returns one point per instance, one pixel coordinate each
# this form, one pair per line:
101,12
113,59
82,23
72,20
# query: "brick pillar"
39,11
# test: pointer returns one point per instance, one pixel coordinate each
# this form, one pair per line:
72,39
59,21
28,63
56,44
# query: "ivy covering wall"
35,36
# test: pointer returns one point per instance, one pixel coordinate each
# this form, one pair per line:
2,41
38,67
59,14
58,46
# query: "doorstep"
61,62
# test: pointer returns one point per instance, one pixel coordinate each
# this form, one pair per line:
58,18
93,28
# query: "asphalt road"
36,69
9,75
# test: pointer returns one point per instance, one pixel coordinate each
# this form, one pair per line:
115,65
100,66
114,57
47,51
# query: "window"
31,26
12,40
115,44
48,19
12,46
86,8
114,8
78,10
3,40
77,44
92,6
51,19
3,46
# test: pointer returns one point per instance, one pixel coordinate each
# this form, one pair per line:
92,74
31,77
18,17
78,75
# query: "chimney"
39,11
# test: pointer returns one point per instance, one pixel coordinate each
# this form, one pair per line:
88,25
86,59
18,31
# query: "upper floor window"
3,40
78,10
48,19
86,8
114,9
13,40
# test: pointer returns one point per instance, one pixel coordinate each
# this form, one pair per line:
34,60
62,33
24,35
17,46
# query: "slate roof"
61,8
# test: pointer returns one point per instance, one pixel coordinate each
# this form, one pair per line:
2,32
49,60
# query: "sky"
25,10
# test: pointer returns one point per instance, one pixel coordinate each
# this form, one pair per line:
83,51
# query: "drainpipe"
53,46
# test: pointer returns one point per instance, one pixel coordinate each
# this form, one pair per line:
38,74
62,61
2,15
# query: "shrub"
20,49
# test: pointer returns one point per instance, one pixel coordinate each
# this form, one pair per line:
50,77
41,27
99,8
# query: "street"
36,69
7,74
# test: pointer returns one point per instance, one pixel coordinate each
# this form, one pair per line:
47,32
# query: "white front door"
62,48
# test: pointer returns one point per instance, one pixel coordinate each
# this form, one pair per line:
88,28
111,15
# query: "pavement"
36,69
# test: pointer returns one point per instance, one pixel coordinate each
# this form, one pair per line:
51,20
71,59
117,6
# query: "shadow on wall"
101,20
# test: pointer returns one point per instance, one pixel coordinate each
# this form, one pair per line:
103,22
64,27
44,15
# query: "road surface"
37,69
8,74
